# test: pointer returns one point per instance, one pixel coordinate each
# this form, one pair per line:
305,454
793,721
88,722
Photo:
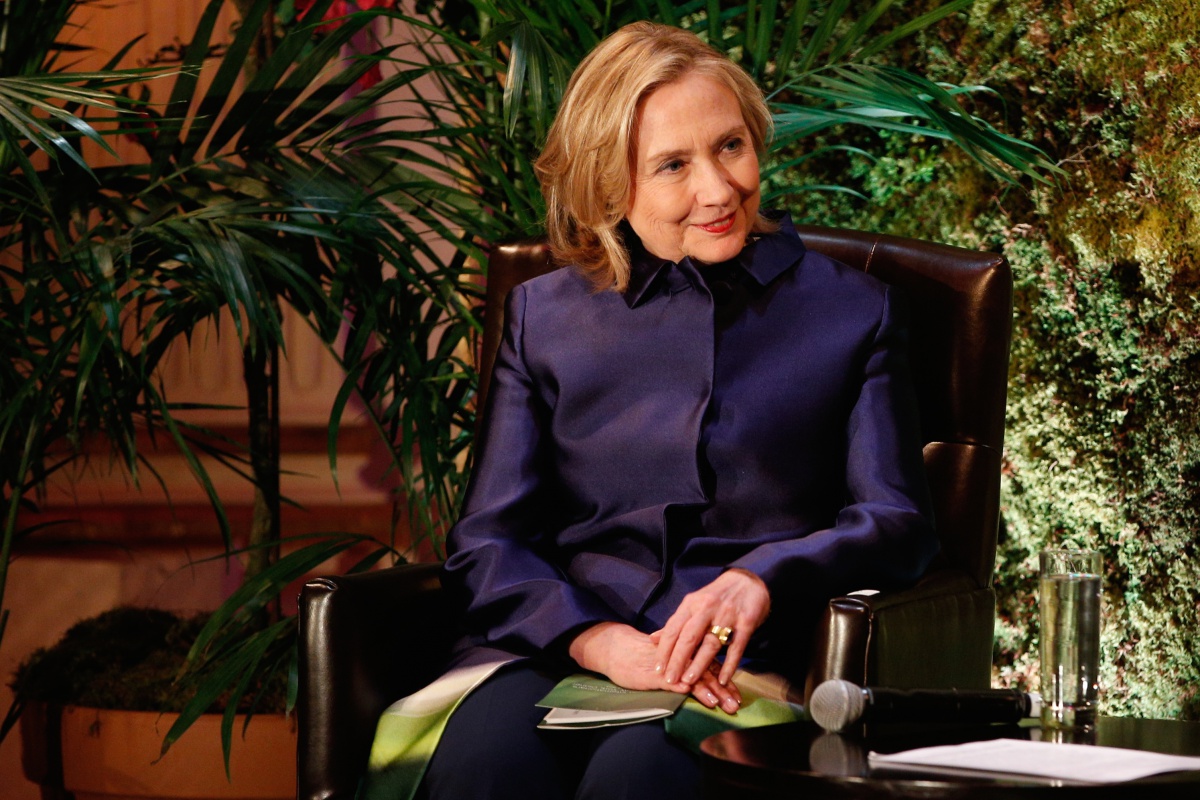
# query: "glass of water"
1069,606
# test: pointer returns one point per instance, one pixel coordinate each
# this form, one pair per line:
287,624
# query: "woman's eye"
733,145
671,167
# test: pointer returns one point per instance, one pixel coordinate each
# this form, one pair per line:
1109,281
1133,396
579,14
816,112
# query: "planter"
100,754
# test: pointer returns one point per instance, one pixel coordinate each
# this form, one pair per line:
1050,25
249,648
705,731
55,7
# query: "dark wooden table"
802,761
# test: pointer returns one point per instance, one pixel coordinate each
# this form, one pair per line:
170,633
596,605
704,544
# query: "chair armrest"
366,640
935,634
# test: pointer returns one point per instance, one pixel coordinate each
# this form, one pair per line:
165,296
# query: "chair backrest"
960,326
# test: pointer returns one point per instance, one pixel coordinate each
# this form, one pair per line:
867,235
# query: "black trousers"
492,748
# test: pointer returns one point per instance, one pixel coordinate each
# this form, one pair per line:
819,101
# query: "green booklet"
588,701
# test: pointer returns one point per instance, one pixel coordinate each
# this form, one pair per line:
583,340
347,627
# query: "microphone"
836,704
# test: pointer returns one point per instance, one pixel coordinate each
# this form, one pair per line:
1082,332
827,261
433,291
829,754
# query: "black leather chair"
367,640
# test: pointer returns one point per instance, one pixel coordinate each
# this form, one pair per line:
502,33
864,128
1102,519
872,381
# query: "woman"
694,437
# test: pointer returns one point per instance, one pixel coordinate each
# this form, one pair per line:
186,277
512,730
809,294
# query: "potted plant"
98,703
282,187
259,192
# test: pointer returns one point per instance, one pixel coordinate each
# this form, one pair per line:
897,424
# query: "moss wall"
1103,441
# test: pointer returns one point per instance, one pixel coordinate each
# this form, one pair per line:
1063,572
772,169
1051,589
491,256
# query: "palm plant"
290,188
276,192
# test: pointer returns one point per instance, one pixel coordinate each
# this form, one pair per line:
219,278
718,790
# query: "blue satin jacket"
635,445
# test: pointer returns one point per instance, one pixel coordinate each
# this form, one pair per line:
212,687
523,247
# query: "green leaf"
861,25
791,39
823,34
913,26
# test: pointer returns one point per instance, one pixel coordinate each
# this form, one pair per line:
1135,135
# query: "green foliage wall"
1103,440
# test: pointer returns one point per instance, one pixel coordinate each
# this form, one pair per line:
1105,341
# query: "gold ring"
722,633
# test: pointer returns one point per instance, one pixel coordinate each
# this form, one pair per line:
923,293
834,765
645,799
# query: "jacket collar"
763,259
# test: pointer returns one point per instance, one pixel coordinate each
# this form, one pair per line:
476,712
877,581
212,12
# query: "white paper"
1076,763
567,718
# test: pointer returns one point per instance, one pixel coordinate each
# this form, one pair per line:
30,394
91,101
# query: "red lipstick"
721,225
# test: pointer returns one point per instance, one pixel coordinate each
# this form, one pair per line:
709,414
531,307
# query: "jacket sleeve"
882,536
515,597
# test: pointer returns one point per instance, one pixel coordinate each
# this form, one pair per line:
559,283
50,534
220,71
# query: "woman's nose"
714,185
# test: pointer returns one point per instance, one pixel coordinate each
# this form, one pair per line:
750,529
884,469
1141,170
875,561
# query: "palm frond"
33,112
887,98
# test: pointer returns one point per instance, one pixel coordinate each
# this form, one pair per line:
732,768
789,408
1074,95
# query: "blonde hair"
585,168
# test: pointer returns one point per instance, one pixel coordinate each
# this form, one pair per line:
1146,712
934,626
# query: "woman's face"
695,172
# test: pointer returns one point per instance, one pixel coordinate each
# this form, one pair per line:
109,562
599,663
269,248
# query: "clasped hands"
681,657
